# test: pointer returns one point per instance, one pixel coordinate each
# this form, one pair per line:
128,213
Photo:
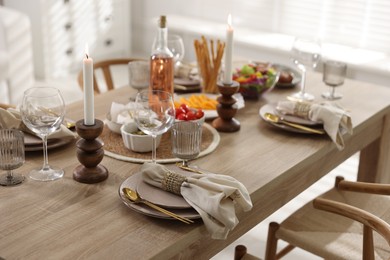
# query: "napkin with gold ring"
213,196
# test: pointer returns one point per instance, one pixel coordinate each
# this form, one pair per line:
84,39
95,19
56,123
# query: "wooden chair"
240,253
6,106
330,226
105,67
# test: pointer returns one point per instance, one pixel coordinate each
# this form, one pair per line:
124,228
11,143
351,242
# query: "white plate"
132,182
210,114
271,109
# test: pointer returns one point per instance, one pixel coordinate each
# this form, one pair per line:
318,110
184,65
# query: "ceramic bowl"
112,125
136,142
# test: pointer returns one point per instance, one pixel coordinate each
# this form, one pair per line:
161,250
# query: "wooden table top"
64,219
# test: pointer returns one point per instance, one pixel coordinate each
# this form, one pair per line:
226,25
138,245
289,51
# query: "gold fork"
67,123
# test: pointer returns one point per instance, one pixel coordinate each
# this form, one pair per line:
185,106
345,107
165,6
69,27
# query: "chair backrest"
370,221
105,67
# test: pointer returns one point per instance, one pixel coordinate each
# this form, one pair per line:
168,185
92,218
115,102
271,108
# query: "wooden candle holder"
90,153
226,108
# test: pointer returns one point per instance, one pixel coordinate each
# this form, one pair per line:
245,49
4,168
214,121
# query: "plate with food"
206,102
288,77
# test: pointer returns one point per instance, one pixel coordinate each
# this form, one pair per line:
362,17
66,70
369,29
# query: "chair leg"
272,241
239,252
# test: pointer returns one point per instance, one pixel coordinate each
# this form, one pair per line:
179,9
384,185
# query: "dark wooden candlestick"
226,108
90,153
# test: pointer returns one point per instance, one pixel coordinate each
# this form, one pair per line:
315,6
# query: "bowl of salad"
255,78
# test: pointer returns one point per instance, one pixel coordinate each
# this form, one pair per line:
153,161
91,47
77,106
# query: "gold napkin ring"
172,182
302,109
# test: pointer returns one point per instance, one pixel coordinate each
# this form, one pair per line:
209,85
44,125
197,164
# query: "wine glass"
139,74
333,76
176,46
43,110
186,139
11,156
305,54
154,114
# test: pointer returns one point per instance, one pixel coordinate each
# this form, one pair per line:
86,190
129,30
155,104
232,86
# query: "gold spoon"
134,197
276,119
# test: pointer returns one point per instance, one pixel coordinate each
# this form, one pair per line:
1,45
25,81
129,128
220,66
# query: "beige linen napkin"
213,196
335,119
11,118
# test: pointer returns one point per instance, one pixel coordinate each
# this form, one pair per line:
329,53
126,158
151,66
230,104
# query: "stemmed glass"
43,110
154,114
11,156
333,76
186,139
305,54
176,46
139,74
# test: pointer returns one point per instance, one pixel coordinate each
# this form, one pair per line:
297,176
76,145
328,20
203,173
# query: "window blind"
356,23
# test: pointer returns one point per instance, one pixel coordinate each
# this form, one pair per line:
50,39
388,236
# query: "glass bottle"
161,60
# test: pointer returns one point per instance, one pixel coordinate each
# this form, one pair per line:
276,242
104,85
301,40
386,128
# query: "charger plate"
114,147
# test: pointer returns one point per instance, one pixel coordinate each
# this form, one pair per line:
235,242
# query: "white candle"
89,114
229,53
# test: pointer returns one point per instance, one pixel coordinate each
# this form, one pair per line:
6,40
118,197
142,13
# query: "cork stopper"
162,21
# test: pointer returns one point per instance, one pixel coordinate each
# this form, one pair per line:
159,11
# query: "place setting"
299,112
179,191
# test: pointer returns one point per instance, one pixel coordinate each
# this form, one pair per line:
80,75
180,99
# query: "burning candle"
89,114
228,52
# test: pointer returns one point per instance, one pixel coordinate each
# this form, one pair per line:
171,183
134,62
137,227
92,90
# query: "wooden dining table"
65,219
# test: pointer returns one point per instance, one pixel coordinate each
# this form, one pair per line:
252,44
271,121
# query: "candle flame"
86,51
229,20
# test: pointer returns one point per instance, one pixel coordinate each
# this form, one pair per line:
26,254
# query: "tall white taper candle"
228,53
89,114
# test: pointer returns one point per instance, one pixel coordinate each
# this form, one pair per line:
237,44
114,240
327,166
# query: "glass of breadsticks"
209,63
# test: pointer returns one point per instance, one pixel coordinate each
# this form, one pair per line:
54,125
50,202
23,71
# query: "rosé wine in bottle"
161,61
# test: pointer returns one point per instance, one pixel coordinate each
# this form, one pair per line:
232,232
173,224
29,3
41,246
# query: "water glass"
139,74
333,76
11,156
186,139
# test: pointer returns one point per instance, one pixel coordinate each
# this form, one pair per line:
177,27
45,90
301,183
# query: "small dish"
112,125
136,142
296,76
